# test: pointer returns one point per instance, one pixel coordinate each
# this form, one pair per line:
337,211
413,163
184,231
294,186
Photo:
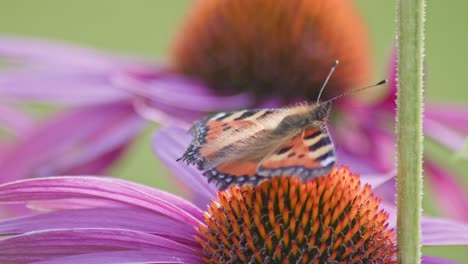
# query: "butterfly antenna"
328,78
358,90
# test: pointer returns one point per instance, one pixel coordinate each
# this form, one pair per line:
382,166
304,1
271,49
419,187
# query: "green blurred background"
147,28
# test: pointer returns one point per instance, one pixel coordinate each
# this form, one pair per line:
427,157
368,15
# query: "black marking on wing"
284,150
301,172
324,141
224,180
326,155
267,113
199,131
315,134
192,157
246,114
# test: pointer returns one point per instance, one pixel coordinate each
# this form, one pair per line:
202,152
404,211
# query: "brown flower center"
330,219
281,48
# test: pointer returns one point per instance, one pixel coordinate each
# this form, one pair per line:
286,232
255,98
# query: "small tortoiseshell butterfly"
249,146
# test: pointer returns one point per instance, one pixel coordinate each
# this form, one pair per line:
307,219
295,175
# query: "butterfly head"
322,111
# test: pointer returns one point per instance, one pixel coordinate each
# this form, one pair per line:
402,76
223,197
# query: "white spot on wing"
327,161
219,115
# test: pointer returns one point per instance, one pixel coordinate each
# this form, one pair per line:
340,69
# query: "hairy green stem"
409,128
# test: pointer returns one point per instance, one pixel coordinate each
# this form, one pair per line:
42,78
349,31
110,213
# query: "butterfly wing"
235,172
306,155
216,137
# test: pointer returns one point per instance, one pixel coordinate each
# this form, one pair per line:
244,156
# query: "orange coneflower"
327,220
273,48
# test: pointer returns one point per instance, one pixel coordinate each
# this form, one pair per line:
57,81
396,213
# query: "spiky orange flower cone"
331,219
283,48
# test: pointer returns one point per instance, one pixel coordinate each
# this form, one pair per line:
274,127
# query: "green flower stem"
409,128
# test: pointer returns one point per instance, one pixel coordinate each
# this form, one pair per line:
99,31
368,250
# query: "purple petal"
444,135
14,120
73,203
438,231
196,96
105,189
168,89
435,260
169,144
454,116
74,142
355,163
43,245
114,218
449,194
377,180
389,101
46,52
159,97
435,231
59,86
128,257
158,112
363,142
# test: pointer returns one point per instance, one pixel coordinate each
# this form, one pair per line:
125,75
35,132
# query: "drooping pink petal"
449,194
114,218
453,116
166,97
49,244
377,180
14,120
106,189
195,95
49,53
446,136
169,144
59,86
73,142
72,204
438,231
389,101
354,162
361,139
436,260
383,148
70,75
128,257
435,231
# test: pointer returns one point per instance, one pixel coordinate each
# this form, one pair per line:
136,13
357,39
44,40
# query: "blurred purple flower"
105,220
69,75
14,123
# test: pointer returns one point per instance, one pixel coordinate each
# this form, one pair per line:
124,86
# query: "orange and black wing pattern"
234,173
214,135
306,155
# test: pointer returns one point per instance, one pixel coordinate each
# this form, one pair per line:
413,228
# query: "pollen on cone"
281,48
351,231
